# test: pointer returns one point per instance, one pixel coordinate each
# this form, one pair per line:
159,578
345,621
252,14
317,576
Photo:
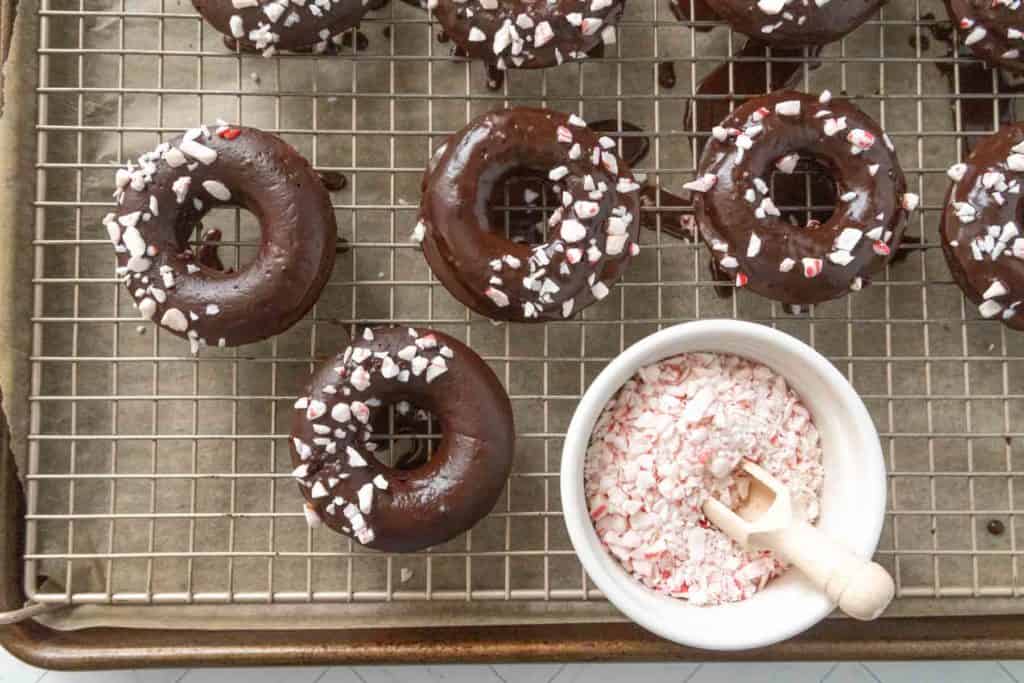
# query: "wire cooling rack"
156,477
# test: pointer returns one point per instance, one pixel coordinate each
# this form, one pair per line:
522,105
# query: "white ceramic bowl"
852,502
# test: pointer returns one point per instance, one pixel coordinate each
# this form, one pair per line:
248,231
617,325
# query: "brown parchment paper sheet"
191,506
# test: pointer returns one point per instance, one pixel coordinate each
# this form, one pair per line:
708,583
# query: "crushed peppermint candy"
674,436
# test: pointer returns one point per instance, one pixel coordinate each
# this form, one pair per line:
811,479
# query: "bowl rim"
580,528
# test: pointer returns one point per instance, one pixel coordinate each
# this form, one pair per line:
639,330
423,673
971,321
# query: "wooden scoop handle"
861,588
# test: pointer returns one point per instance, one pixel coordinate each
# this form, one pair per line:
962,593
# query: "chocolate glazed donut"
752,245
789,23
282,24
163,198
391,509
527,34
980,234
992,29
594,231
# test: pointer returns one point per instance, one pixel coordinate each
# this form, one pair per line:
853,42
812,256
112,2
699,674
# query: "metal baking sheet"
157,483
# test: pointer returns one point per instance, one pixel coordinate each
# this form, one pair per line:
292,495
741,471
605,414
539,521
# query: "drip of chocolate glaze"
208,254
667,75
673,209
333,180
407,451
495,77
634,146
974,79
361,41
748,78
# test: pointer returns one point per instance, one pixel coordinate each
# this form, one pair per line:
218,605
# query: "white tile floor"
13,671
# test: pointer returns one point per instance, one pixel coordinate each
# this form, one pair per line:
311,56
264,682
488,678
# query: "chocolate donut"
332,444
163,198
300,25
992,29
789,23
980,231
526,34
750,242
593,232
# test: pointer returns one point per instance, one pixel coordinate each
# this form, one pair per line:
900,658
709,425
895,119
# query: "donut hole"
405,436
222,239
806,195
520,203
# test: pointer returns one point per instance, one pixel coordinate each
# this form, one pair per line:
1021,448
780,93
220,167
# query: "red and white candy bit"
812,266
788,108
861,139
702,184
881,248
787,164
627,185
673,437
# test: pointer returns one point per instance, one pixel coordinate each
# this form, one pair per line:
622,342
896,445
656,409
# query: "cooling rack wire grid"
158,477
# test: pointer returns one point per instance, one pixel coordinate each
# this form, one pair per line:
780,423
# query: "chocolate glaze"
486,271
208,253
717,93
993,31
294,27
495,77
333,180
971,77
406,509
667,75
361,42
633,143
195,297
734,82
810,264
524,220
406,435
799,23
980,234
478,27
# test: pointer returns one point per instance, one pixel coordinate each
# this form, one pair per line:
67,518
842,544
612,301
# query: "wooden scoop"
766,520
